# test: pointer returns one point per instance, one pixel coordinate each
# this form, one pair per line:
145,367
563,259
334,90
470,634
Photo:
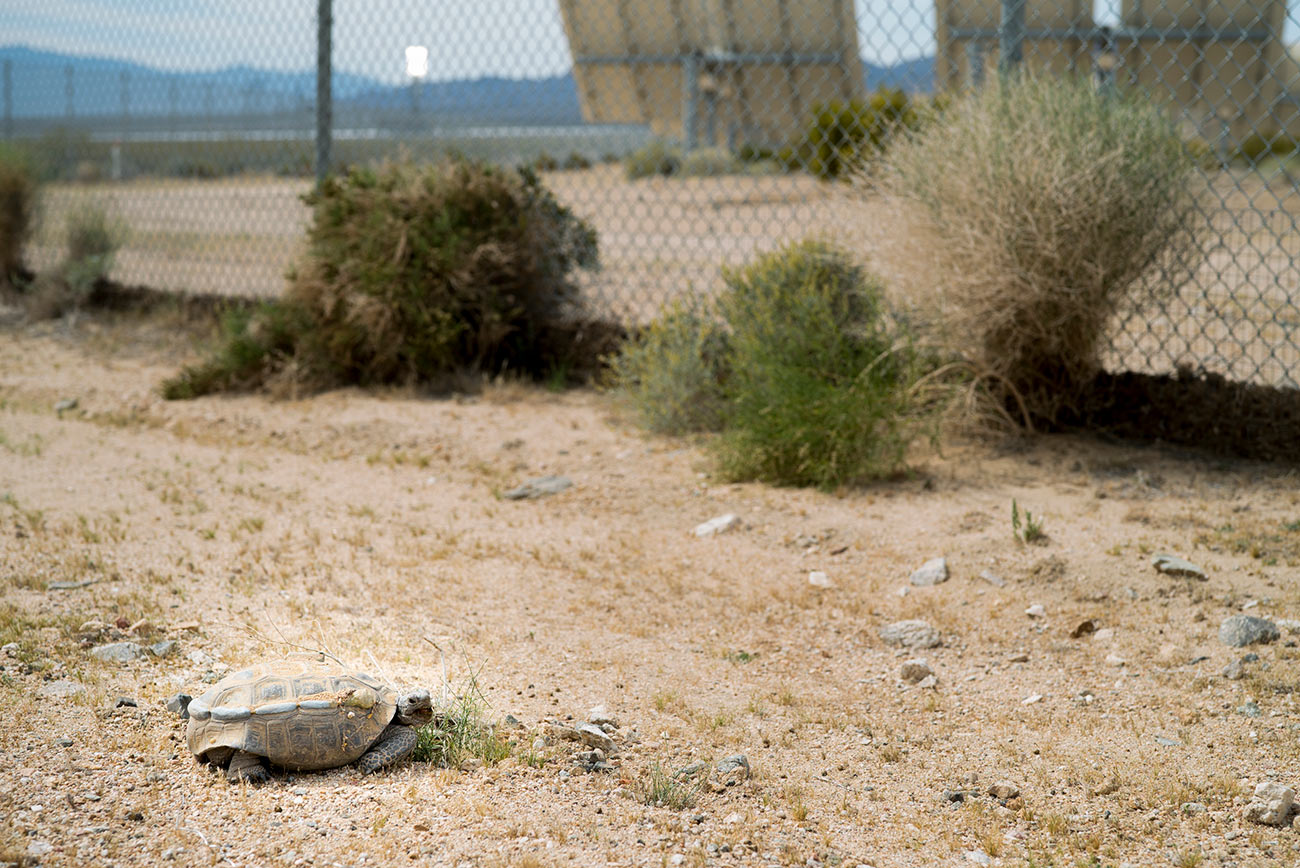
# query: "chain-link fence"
196,123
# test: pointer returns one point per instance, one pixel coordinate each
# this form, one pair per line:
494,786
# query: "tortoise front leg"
394,743
246,766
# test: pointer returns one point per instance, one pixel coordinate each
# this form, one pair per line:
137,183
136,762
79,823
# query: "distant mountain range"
42,90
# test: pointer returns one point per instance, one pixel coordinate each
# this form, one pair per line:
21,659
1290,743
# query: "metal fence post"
324,98
9,98
690,99
1011,35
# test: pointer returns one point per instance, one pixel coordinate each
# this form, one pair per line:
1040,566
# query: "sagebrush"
416,272
1026,216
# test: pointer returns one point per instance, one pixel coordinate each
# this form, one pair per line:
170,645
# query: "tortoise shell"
300,713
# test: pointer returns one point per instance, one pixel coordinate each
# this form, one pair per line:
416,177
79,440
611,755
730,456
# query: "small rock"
1234,671
979,857
691,772
1242,630
135,816
734,769
126,702
118,652
1004,790
179,703
1036,611
10,649
65,405
930,573
63,742
915,670
733,818
911,634
929,682
561,732
599,716
163,648
1250,709
512,722
719,525
1175,566
61,689
1115,660
1108,786
1021,657
1167,742
1105,634
539,743
1032,699
1290,626
201,658
818,579
541,487
1083,628
993,579
1270,805
37,849
593,736
1191,808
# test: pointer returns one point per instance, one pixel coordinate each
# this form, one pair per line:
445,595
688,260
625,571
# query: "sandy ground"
371,525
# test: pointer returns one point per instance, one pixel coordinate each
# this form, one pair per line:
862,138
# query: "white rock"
733,818
911,634
1115,660
1032,698
720,524
932,572
1036,611
10,649
1271,804
818,579
600,716
993,579
1105,634
1290,626
979,857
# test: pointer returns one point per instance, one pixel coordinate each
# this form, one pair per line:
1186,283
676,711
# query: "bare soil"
371,524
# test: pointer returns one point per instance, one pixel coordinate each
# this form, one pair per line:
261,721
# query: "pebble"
10,649
163,648
1242,630
1167,742
1176,566
1004,790
1250,709
1105,634
979,857
1190,808
179,703
915,670
1032,699
1083,628
601,717
1115,660
593,736
993,579
734,769
65,405
543,486
932,572
818,579
118,652
719,525
1270,805
63,742
911,634
1106,787
36,849
1021,657
61,689
1234,671
1290,625
1036,611
126,702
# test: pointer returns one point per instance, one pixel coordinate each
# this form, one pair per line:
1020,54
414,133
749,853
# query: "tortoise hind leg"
395,743
249,767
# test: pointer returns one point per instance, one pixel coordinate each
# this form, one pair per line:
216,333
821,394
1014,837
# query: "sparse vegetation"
414,273
18,200
840,136
93,238
654,158
657,788
1025,526
1025,217
460,730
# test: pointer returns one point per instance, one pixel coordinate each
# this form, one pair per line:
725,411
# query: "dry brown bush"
1025,217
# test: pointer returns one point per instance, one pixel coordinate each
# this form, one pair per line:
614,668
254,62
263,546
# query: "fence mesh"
195,122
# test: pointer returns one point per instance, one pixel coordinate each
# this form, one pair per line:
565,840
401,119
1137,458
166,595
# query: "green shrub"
460,730
18,193
655,158
1041,207
672,372
413,273
819,380
840,135
93,239
1257,146
577,160
709,163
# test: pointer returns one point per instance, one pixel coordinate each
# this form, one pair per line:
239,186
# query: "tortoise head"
414,708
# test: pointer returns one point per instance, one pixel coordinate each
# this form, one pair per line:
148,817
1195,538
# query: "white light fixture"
417,61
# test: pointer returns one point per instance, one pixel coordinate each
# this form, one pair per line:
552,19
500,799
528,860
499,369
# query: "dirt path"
368,523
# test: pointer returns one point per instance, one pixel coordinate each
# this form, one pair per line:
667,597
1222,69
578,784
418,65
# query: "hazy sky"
466,38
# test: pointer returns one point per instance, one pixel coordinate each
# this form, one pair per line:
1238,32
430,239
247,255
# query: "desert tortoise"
305,713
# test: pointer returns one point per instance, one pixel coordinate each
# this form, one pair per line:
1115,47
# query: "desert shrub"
17,209
1259,145
708,163
92,239
1025,216
819,383
577,160
256,345
840,135
413,273
672,372
654,158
